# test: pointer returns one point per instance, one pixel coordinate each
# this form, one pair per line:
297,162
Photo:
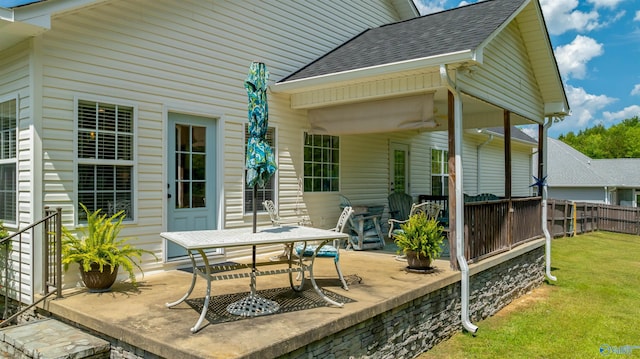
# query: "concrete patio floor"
140,318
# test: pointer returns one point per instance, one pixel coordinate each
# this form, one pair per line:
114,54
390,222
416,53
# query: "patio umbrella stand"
261,165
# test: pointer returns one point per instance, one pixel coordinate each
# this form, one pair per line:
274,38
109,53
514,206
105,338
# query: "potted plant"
100,252
420,239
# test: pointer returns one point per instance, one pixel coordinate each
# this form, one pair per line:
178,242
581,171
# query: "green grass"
595,301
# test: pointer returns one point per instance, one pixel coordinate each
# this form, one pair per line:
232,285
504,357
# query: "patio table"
198,242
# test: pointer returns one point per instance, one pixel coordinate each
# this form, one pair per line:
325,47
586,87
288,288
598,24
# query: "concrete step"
50,339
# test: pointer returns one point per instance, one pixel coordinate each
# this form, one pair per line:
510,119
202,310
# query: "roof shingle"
459,29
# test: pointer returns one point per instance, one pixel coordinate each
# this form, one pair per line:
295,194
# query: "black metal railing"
20,245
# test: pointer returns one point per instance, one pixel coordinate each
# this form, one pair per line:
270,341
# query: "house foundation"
415,327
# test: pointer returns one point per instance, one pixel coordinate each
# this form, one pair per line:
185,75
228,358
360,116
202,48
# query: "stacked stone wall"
415,327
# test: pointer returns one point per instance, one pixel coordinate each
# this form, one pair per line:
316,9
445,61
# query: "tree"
618,141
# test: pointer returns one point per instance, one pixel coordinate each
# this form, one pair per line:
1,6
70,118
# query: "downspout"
478,148
545,230
462,262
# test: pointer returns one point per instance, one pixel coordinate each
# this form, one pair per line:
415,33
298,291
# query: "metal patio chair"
328,250
431,209
270,207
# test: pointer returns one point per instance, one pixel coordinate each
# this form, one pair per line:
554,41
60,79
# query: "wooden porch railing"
493,227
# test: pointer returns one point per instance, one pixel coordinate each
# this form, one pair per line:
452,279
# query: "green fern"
422,235
100,244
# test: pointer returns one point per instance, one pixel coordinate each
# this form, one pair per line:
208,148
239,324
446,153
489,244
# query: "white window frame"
247,191
133,163
14,161
442,174
305,162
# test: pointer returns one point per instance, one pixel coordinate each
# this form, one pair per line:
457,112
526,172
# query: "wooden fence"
566,218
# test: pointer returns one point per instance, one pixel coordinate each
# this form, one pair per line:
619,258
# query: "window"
439,172
321,163
266,192
105,158
8,148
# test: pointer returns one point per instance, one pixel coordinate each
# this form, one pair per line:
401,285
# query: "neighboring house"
576,177
140,105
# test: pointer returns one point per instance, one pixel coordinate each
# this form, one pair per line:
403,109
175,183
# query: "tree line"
618,141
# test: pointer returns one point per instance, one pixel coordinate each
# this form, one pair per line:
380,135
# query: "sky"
597,48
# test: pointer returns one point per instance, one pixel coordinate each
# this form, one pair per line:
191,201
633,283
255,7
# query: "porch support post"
508,175
452,182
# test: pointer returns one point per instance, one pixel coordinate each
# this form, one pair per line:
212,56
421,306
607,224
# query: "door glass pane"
190,164
199,139
198,195
399,171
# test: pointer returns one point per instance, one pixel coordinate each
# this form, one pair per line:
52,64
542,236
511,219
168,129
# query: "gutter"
320,81
462,262
545,230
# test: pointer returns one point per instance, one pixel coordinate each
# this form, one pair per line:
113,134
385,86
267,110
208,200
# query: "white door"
191,176
399,168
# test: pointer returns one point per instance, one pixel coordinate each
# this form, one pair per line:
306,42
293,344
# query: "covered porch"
390,312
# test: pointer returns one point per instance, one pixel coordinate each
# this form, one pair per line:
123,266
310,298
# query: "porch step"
50,339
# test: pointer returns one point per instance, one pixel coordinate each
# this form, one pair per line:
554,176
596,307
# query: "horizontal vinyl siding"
491,159
584,194
163,56
521,168
15,84
505,78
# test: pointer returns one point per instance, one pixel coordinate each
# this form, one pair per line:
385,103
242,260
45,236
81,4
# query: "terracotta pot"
416,262
96,281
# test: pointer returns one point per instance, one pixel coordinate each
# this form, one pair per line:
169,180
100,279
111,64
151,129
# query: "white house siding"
582,194
491,161
505,77
521,170
15,68
162,56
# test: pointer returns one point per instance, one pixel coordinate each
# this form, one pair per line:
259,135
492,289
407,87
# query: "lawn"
594,304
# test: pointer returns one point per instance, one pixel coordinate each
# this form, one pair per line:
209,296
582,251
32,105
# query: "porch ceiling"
396,114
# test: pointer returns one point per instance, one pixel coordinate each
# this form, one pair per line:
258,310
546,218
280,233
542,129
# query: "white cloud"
530,130
605,3
627,112
584,107
562,16
430,6
636,90
637,18
573,57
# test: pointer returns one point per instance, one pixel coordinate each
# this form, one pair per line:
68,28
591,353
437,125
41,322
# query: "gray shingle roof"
567,167
459,29
623,172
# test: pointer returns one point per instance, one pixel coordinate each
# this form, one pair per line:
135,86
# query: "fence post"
638,221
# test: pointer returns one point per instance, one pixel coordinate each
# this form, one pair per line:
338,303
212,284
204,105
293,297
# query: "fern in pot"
100,251
420,239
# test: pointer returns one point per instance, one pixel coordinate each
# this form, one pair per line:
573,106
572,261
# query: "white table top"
223,238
